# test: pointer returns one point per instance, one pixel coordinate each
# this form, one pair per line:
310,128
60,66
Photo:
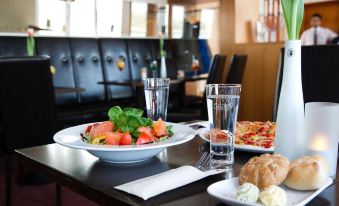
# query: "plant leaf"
114,112
287,11
132,111
293,14
300,15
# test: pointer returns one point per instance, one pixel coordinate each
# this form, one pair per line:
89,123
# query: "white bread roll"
307,173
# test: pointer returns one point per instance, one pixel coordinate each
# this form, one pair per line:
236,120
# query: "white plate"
70,137
246,148
225,191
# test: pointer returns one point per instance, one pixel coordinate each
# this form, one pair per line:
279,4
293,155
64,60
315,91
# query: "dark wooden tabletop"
63,90
94,179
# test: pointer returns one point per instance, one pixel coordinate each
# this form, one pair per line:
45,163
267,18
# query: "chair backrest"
214,77
216,69
140,54
320,75
278,84
88,69
59,51
111,51
237,69
27,103
13,46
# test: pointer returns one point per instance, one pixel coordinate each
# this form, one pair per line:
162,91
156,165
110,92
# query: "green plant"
30,43
162,51
293,13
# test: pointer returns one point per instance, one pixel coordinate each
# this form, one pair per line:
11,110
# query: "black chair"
27,107
214,77
234,76
59,51
140,54
320,75
111,51
13,46
88,72
237,69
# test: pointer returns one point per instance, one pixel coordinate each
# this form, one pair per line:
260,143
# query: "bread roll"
307,173
265,170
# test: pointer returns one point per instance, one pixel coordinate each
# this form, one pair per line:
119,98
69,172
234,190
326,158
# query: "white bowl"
70,137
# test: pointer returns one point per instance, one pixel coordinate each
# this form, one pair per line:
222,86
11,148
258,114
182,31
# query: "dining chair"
237,69
234,76
200,112
27,107
320,75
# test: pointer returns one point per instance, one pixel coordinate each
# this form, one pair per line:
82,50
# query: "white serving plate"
70,137
246,148
225,191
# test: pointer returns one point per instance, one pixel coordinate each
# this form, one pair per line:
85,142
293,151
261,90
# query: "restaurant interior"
72,66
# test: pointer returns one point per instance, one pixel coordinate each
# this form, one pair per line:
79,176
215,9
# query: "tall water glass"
222,105
156,95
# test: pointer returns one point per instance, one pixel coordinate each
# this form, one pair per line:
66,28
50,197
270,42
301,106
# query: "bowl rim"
77,142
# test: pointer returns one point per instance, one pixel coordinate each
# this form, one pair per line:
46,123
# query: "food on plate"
307,173
126,127
248,192
273,196
265,170
220,136
101,128
259,134
255,133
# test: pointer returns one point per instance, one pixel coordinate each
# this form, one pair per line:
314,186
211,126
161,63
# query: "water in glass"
156,102
222,115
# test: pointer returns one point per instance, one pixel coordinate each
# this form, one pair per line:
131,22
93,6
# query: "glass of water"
222,105
156,95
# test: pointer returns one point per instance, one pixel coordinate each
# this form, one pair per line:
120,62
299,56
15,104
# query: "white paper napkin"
154,185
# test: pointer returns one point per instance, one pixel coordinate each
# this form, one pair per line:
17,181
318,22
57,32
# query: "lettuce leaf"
129,120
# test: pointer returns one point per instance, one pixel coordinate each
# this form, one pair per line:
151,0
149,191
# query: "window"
178,15
109,17
206,23
52,15
82,18
138,19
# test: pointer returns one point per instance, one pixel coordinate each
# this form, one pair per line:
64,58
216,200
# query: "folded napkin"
154,185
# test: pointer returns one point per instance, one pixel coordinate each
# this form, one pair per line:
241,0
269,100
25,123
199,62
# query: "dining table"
94,179
64,90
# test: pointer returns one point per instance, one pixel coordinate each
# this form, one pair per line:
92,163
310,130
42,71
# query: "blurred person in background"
317,35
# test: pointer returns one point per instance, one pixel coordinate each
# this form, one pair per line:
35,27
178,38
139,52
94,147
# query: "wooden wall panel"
256,101
329,11
258,89
245,17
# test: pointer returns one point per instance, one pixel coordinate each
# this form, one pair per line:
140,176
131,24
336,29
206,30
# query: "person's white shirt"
324,35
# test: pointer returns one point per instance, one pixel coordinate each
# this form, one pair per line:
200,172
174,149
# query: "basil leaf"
132,111
135,134
114,113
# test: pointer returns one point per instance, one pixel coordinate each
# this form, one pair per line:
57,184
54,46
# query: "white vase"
163,70
290,140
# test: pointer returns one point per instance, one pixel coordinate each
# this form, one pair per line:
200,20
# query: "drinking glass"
156,95
222,105
195,66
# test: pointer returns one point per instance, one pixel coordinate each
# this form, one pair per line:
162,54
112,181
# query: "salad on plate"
126,127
